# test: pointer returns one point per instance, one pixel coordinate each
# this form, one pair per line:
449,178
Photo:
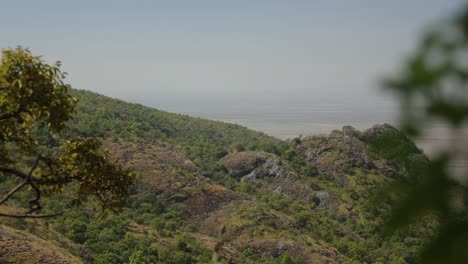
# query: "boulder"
327,201
239,164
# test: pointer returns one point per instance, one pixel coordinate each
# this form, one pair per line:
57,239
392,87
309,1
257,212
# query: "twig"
17,188
21,185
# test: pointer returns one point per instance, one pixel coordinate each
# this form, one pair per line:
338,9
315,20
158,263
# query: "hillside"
22,247
212,192
107,117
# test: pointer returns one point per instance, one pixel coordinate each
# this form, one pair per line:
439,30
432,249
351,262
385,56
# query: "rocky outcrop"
271,168
266,171
327,201
339,153
401,155
275,176
347,148
241,163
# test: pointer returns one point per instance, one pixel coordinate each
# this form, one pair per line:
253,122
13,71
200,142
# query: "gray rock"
241,163
315,153
277,177
272,168
358,153
327,201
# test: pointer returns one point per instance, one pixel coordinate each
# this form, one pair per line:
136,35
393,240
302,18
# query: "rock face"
338,153
241,163
273,174
271,168
277,177
266,171
327,201
348,148
315,153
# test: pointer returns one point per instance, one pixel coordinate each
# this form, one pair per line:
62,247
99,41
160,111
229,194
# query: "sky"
205,55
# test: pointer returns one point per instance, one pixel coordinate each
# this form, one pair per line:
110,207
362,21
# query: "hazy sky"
189,54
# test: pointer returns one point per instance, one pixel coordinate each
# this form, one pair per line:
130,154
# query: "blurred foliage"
433,89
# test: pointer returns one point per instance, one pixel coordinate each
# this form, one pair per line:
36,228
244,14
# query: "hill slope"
211,192
101,115
21,247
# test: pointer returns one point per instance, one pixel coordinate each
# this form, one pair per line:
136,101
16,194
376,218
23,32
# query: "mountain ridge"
212,192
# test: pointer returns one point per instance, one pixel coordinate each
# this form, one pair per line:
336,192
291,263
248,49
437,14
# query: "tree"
33,102
434,87
138,257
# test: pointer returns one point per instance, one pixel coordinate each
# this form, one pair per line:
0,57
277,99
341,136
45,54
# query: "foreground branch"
9,115
26,177
17,188
21,185
17,173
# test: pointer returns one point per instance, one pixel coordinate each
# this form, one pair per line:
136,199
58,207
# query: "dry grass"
20,247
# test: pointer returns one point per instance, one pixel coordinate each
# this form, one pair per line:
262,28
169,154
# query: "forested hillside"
212,192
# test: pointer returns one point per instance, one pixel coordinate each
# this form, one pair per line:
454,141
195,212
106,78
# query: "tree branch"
21,185
17,188
28,179
8,115
45,180
20,174
35,204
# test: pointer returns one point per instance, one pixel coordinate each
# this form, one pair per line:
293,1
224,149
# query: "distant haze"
231,60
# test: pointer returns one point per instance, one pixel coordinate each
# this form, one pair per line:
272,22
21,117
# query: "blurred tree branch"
433,87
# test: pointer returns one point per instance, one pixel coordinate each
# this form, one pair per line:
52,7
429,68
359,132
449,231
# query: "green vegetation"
212,192
202,141
180,191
